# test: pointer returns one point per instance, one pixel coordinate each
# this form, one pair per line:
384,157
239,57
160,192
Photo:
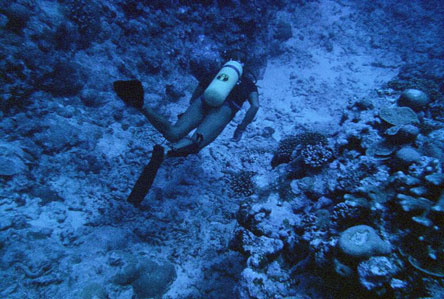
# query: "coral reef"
362,241
380,171
413,98
148,279
241,183
304,152
87,17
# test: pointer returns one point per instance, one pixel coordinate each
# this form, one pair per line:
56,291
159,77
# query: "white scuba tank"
223,83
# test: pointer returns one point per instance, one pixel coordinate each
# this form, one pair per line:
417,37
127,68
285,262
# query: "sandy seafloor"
67,231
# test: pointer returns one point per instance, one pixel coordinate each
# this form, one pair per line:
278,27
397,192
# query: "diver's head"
203,62
241,56
235,54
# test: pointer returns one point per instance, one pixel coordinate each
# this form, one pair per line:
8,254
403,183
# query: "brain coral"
362,241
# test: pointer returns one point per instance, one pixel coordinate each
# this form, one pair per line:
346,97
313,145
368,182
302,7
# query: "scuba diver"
213,104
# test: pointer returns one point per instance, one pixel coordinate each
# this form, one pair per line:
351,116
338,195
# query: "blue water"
319,176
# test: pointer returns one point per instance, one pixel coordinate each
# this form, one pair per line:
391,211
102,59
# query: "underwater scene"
221,149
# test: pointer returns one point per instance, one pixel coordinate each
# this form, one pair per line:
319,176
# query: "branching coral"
284,151
307,149
241,183
316,156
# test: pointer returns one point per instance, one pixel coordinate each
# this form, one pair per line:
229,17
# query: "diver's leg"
212,125
173,133
186,146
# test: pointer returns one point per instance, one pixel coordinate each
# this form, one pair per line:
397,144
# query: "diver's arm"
251,112
249,116
198,91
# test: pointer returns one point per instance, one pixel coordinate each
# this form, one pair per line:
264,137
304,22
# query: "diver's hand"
238,134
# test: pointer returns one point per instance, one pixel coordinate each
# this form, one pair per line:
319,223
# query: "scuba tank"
223,83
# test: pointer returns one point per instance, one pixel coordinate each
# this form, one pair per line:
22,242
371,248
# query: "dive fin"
130,91
147,177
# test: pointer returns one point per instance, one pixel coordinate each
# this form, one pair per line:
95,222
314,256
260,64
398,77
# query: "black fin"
130,91
147,177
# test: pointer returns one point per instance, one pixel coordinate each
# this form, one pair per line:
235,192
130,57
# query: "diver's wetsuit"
234,101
